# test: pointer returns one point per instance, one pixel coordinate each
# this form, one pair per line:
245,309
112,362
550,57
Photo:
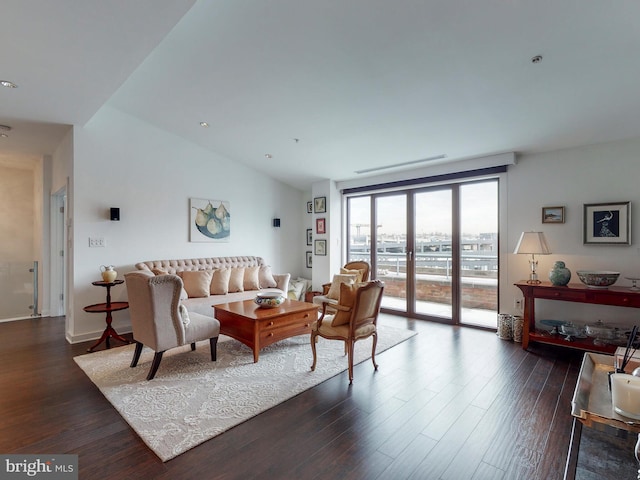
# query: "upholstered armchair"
355,318
160,322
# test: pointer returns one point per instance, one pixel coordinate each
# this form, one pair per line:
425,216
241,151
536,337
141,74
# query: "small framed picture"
320,226
607,223
309,207
320,247
309,259
309,236
552,214
320,204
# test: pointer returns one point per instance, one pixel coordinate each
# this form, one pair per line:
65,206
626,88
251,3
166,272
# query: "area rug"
193,399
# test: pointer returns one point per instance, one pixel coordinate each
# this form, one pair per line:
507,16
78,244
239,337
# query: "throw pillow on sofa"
197,283
296,289
251,280
236,280
158,271
266,277
220,281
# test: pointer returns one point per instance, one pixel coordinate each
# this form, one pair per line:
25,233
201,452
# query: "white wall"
571,178
119,161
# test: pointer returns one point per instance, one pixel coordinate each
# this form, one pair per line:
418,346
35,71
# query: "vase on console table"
560,274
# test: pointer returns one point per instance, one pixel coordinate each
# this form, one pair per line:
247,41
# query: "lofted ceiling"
330,87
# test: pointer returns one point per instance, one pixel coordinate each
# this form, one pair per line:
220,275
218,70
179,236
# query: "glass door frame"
456,253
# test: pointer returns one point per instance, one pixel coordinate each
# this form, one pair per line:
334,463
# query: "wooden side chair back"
351,322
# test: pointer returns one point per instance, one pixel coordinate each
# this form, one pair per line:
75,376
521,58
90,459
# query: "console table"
615,296
108,307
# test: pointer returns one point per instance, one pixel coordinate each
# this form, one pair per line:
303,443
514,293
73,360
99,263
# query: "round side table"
108,307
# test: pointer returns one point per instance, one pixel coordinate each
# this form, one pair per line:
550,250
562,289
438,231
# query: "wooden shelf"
615,296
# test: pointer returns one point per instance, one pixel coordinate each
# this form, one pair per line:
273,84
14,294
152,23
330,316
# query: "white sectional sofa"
245,277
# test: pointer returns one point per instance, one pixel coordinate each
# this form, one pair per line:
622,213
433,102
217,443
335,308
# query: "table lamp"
532,243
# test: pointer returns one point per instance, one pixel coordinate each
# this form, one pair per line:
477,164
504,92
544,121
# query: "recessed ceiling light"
536,59
8,84
268,155
204,124
4,135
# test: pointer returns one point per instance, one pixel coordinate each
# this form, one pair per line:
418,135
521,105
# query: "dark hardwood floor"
450,403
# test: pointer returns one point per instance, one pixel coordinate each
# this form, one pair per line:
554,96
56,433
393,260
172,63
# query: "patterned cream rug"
193,399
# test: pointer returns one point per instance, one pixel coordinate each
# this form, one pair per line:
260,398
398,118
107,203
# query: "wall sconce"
532,243
115,214
276,223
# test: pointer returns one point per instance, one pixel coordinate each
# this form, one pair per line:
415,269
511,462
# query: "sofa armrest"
282,280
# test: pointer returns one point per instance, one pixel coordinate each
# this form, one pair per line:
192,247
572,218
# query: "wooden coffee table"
258,327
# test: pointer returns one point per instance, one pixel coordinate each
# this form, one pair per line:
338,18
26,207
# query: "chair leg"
154,365
213,343
193,346
373,351
350,360
314,339
136,354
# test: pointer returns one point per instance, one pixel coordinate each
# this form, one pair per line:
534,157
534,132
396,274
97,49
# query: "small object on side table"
108,307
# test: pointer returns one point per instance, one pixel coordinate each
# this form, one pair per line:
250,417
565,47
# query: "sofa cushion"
236,280
266,277
158,271
334,290
198,283
251,279
296,289
220,281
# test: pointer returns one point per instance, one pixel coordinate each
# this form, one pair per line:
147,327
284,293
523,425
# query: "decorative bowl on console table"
269,299
598,278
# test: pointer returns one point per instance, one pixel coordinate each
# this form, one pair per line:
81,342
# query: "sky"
479,206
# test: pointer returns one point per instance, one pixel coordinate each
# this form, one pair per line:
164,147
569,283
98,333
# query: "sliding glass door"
435,248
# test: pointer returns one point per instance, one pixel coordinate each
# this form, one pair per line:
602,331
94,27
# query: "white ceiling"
360,83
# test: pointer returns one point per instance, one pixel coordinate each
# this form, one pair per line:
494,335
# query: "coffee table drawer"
289,326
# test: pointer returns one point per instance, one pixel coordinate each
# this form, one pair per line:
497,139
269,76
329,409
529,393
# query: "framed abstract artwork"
309,236
321,226
209,220
309,259
607,223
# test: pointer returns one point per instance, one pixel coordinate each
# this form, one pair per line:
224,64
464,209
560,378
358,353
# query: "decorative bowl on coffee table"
269,299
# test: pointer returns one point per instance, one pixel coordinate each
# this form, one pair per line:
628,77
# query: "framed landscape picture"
607,223
552,214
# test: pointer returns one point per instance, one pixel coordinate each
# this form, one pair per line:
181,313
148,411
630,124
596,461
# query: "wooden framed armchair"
355,319
362,267
160,322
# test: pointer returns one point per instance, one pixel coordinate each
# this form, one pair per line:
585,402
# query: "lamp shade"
532,243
